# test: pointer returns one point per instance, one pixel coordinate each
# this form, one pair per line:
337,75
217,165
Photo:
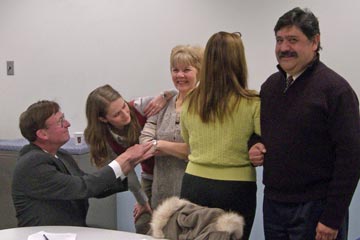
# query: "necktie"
289,81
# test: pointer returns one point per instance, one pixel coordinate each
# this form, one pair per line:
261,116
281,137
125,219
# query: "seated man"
48,187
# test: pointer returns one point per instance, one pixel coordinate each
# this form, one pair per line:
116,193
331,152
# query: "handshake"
135,155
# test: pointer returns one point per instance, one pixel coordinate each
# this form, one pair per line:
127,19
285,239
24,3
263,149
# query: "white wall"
65,48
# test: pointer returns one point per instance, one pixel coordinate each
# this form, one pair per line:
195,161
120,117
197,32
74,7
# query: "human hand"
154,106
256,154
140,209
325,233
149,152
134,155
139,152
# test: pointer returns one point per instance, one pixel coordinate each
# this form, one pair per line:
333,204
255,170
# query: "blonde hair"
187,55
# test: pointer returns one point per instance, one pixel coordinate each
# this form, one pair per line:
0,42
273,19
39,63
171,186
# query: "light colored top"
219,150
168,170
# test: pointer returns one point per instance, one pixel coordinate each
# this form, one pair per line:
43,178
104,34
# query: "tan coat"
182,220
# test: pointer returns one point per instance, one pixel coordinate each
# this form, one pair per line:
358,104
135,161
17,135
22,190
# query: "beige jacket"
179,219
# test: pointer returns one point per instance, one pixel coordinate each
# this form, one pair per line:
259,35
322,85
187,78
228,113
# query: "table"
82,233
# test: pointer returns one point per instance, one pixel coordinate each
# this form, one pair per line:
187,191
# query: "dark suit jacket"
54,191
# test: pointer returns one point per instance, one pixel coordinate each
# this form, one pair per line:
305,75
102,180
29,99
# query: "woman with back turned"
217,120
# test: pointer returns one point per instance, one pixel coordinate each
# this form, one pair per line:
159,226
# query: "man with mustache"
310,138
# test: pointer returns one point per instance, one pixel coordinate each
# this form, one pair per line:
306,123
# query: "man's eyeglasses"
61,121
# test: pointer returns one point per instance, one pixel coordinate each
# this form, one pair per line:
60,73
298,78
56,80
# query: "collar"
118,138
296,75
56,156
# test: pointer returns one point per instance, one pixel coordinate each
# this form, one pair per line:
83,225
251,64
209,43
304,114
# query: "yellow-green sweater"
219,150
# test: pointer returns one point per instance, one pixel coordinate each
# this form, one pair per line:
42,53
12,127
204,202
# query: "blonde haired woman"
164,128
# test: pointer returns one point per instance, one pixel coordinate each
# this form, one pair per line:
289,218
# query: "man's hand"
325,233
256,154
140,209
154,106
134,155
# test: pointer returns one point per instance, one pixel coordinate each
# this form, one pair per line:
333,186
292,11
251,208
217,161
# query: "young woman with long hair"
113,125
217,119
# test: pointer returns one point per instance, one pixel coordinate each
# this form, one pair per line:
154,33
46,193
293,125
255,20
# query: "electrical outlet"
10,67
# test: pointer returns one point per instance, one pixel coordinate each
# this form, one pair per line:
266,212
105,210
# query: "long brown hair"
223,75
97,132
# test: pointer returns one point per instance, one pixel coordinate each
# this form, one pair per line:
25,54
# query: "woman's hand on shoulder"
155,106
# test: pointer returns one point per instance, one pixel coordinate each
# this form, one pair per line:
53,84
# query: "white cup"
79,138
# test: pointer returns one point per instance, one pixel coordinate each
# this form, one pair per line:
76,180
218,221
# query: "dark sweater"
312,137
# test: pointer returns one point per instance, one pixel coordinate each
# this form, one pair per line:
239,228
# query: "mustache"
287,54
